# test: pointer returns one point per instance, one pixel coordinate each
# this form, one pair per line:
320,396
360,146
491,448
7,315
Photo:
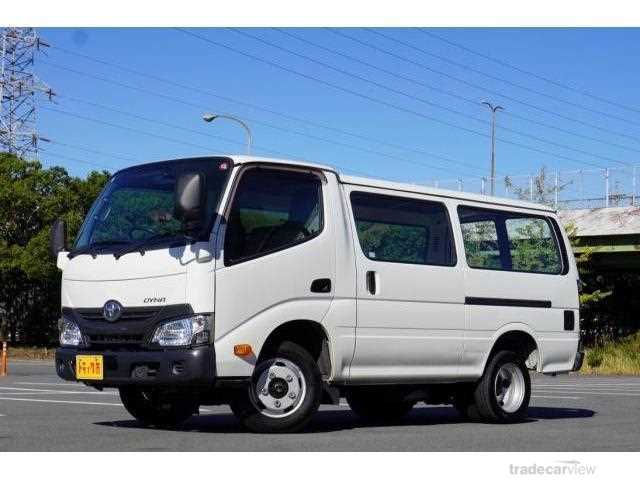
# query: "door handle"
371,282
321,285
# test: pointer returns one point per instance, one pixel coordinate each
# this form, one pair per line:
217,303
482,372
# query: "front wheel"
284,393
157,407
502,394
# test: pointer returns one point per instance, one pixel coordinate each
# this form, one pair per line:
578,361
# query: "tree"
544,191
31,198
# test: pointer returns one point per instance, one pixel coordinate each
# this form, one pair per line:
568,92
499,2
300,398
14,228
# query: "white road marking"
589,387
59,401
586,392
60,393
57,384
588,382
555,396
46,391
31,362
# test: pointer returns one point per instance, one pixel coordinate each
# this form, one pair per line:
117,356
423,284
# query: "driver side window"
272,210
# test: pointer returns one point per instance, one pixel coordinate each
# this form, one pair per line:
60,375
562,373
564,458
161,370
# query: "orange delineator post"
3,360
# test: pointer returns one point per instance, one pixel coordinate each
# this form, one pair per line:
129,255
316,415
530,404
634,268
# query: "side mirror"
189,201
58,239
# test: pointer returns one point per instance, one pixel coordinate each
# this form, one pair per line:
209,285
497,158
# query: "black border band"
507,302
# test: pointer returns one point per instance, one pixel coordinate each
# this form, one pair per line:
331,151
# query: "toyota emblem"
111,310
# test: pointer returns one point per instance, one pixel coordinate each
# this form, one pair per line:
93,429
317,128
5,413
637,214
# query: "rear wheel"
157,407
375,404
284,393
502,394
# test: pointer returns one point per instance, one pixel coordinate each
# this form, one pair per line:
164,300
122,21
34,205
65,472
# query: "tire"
503,393
158,408
378,405
284,392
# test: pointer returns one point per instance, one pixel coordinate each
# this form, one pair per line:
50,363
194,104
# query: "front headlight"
194,330
69,333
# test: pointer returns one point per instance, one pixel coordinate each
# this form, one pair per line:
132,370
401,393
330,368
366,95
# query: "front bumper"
179,367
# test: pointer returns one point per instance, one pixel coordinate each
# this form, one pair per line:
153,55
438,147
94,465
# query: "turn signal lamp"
242,350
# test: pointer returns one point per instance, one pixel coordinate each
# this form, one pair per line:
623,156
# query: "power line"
404,77
473,85
126,128
246,104
77,160
145,133
282,154
446,92
528,72
315,137
367,97
165,124
125,158
507,82
374,152
384,102
430,166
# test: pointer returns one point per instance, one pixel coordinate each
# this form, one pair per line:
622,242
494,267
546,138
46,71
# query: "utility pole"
19,90
493,109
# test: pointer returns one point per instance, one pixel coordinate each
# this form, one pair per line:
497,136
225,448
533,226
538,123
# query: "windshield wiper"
92,248
143,245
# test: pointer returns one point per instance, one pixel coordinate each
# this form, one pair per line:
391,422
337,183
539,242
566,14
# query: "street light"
493,143
210,117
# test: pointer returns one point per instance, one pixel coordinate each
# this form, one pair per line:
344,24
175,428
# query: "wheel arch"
309,334
517,337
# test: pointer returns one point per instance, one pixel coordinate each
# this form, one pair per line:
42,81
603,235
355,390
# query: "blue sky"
600,61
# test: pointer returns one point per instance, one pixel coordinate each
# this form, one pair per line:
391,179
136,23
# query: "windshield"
137,204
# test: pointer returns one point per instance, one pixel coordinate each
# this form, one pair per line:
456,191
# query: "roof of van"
397,186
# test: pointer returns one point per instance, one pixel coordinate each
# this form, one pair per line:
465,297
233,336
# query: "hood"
159,277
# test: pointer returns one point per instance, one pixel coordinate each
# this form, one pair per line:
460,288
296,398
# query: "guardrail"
563,189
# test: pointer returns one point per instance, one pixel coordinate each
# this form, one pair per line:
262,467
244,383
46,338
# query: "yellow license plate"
89,367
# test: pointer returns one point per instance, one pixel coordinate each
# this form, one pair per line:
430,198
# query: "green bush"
595,357
621,357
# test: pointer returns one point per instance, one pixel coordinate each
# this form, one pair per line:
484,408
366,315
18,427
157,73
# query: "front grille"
116,339
128,314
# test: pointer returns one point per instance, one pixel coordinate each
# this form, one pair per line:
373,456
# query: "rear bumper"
188,367
577,363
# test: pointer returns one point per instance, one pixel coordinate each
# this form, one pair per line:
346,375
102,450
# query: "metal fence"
575,189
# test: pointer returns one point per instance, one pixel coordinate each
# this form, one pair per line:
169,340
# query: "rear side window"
481,244
500,240
272,210
403,230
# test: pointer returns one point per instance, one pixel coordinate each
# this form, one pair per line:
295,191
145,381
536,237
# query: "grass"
621,357
31,353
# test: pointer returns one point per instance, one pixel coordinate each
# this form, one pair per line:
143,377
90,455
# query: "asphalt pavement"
40,412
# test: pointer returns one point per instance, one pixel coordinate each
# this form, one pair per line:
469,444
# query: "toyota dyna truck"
275,286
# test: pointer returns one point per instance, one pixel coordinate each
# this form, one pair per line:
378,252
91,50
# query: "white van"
274,286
